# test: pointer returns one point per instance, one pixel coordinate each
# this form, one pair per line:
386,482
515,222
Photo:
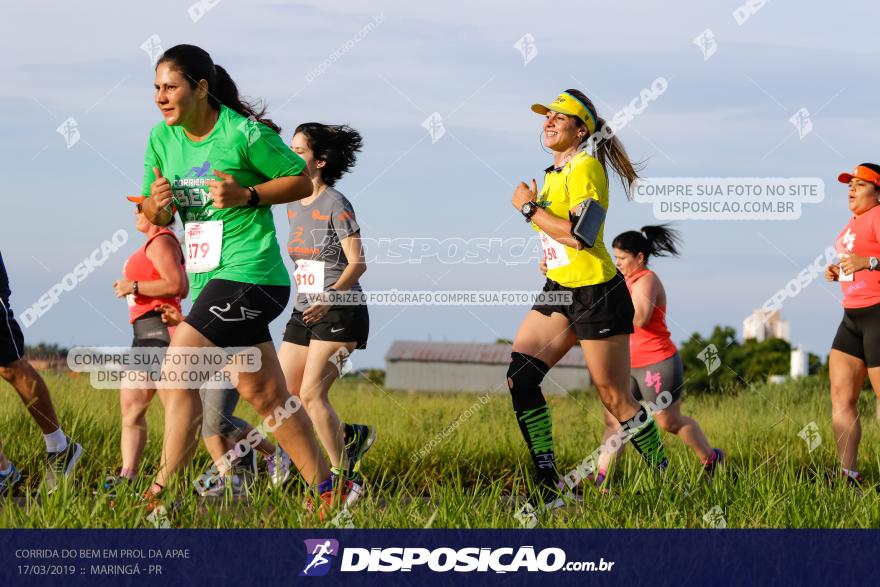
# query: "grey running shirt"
316,232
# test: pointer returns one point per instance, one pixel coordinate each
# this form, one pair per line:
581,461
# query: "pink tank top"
138,267
652,343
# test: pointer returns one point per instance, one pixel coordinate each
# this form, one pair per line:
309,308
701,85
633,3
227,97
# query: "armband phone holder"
586,221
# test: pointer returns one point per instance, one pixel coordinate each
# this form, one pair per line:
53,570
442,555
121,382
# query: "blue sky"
727,116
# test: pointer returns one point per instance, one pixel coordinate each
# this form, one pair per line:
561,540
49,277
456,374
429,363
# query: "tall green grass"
472,467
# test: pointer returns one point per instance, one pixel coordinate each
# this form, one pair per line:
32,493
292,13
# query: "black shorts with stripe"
236,314
340,324
596,311
11,338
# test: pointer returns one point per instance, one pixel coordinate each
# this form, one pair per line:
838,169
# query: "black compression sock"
533,414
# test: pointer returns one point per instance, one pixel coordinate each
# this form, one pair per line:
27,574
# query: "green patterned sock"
536,426
645,437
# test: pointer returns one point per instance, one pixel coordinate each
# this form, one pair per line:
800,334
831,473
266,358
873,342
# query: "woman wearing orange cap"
154,283
152,276
855,351
600,313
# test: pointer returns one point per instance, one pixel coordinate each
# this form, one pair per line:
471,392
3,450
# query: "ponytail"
660,241
196,64
226,93
609,149
337,145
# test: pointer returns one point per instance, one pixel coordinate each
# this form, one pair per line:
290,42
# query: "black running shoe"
60,464
357,443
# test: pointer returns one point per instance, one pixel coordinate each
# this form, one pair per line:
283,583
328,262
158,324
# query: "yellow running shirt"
580,179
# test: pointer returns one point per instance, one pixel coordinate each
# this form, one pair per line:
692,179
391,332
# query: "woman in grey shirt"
328,322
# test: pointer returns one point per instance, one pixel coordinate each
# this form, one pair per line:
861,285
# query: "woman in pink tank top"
656,377
152,276
855,352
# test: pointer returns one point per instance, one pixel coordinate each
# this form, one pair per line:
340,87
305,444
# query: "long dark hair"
609,151
660,241
336,145
196,64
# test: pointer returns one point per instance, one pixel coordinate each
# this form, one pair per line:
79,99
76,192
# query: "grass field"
450,460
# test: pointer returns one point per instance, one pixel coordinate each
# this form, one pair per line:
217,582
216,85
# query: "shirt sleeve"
342,219
151,160
268,154
585,181
875,229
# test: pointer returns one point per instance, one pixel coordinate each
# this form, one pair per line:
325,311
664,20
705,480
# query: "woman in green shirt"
221,165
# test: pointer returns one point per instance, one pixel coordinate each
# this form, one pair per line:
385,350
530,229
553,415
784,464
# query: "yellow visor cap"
565,103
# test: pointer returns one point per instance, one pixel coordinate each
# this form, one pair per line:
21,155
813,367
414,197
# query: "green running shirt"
252,153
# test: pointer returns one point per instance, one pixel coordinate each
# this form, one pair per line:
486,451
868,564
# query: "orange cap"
140,200
862,172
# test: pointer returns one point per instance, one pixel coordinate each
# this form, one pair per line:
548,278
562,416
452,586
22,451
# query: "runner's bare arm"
559,229
164,253
285,189
170,315
157,208
832,272
644,298
357,266
228,193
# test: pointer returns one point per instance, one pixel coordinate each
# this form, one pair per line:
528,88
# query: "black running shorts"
859,334
151,338
150,331
596,311
340,324
232,313
11,338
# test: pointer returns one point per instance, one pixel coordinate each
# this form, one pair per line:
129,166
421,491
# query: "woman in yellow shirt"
600,313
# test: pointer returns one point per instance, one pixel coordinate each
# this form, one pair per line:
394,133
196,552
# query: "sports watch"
528,210
873,263
254,199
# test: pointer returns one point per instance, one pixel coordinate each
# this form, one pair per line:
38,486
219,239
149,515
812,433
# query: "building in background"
763,324
460,366
800,365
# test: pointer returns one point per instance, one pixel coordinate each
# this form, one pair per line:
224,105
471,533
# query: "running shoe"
205,481
158,515
715,464
856,483
600,481
60,464
344,494
357,443
8,480
550,495
278,466
112,484
227,486
245,468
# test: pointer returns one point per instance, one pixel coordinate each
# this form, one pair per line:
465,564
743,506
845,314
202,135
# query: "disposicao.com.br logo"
442,560
317,553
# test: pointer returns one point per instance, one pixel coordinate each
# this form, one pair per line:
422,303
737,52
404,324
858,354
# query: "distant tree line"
45,351
732,364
